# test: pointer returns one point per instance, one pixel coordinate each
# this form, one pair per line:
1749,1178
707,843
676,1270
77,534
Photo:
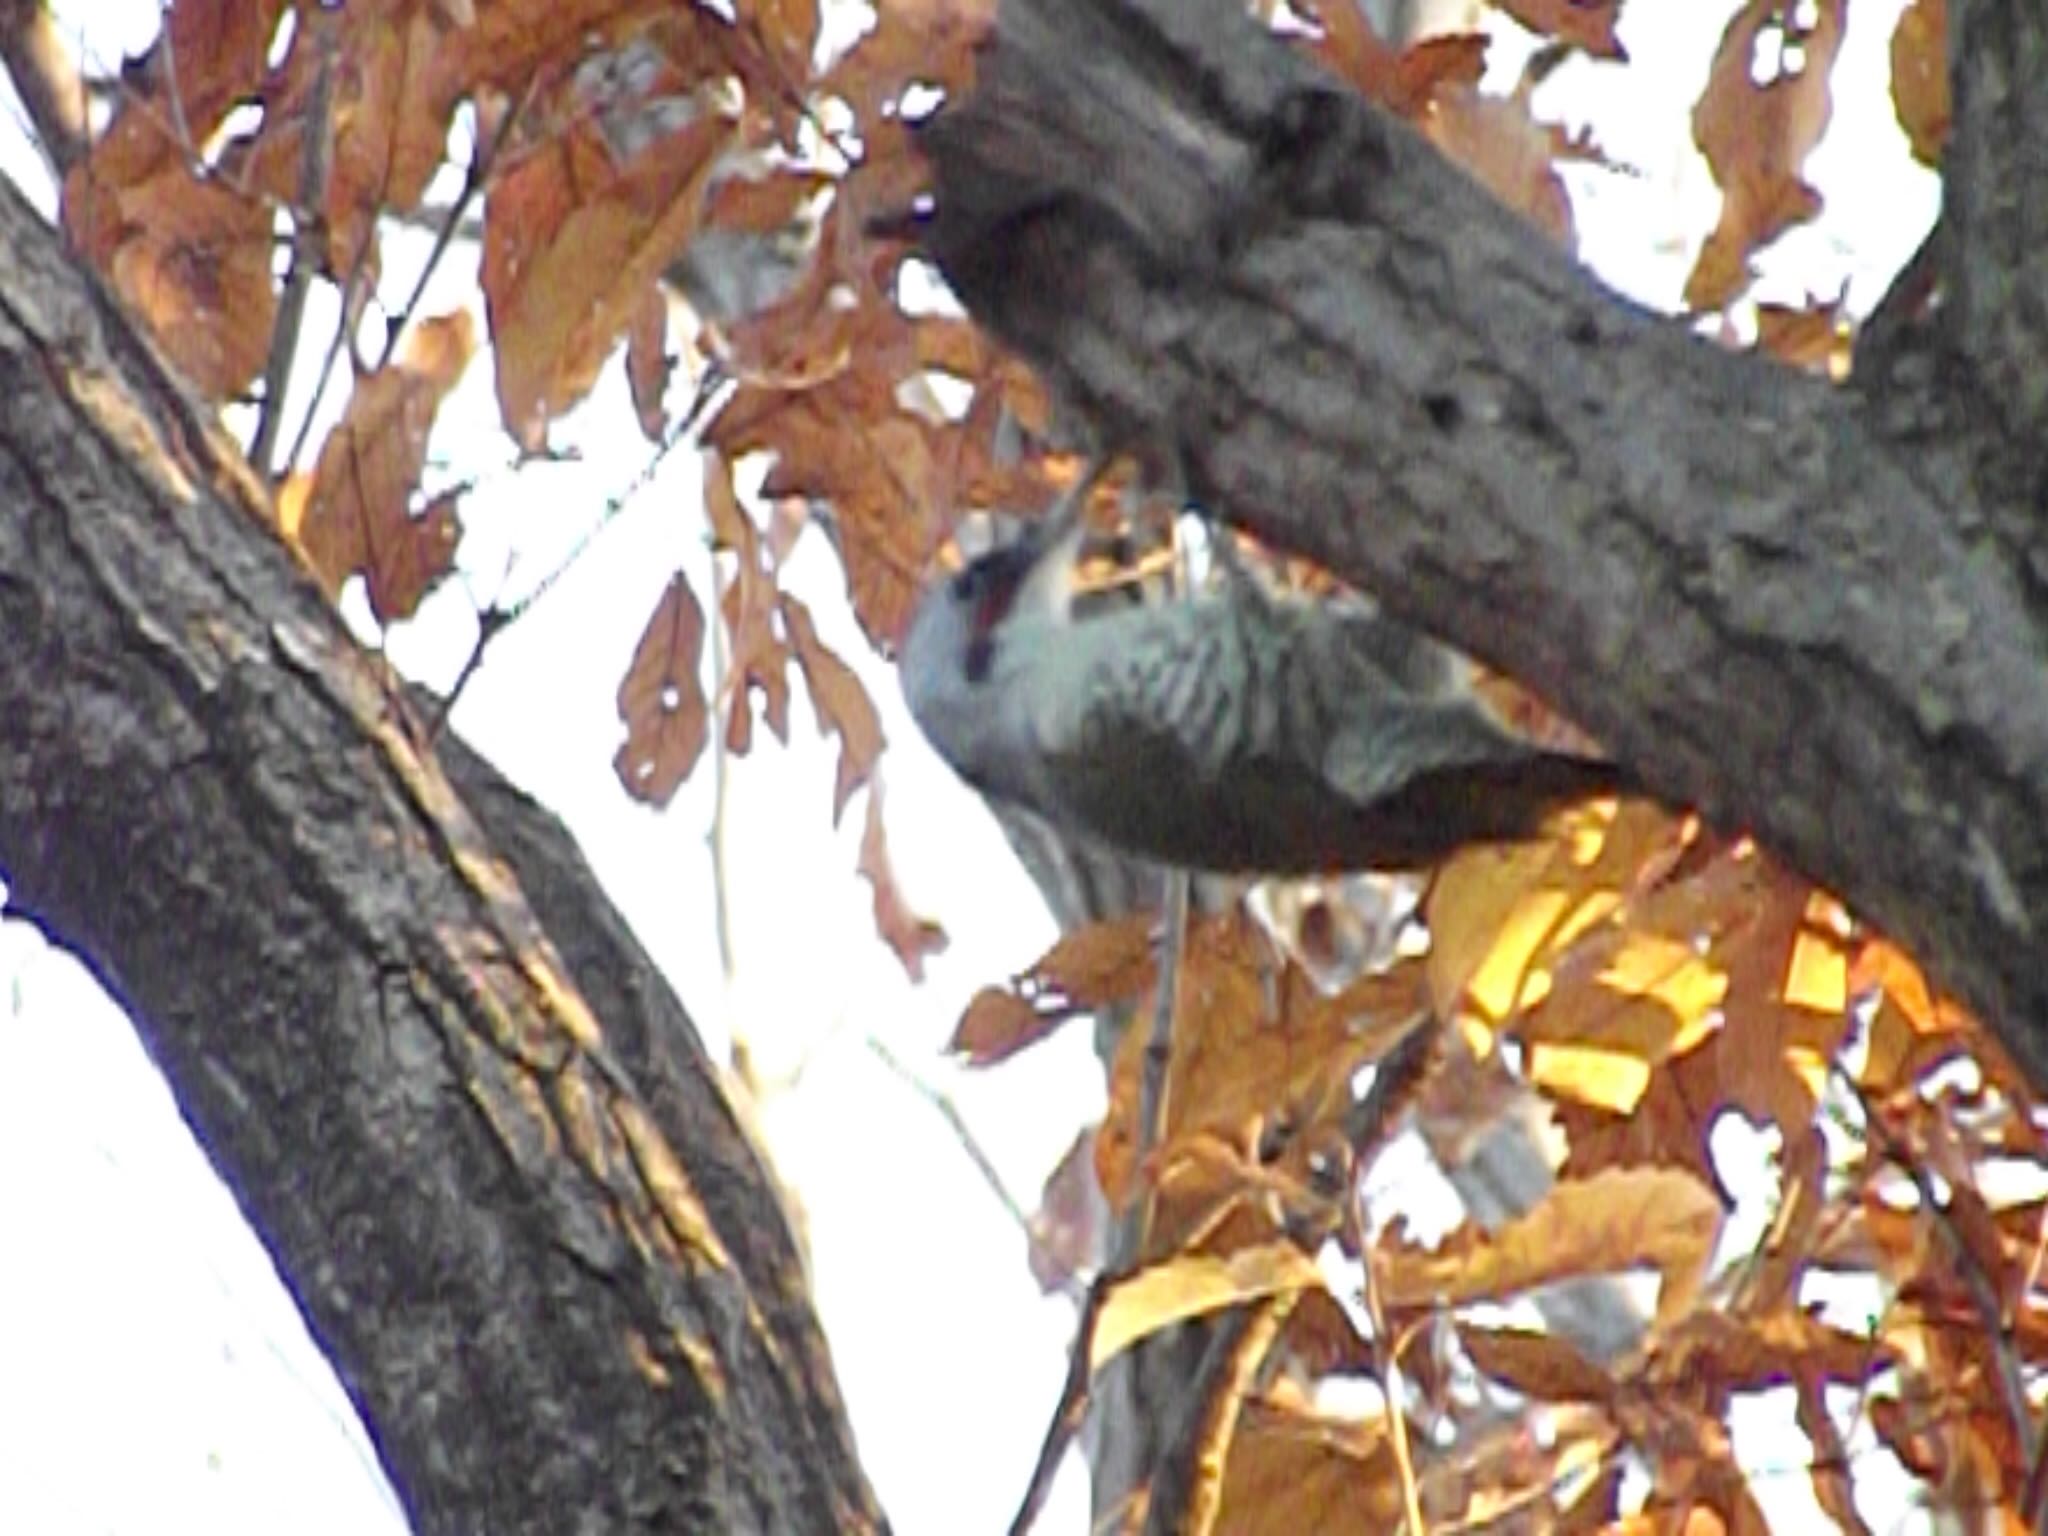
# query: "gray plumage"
1236,731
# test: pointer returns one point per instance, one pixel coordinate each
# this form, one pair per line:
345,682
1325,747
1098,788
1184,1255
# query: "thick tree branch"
1727,571
1995,209
489,1155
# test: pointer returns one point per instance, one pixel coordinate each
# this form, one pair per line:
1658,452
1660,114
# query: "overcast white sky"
154,1375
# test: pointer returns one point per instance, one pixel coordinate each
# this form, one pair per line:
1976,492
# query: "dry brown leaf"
1539,1365
1756,137
1920,77
1234,1062
997,1024
1404,81
1711,1352
194,262
1613,1221
842,703
1194,1285
929,40
1291,1471
392,77
220,52
573,238
1816,337
1069,1229
357,515
750,607
661,699
1511,154
648,364
1087,969
910,936
1585,24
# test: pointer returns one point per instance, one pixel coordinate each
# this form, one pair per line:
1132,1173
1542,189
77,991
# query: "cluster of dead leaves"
1646,980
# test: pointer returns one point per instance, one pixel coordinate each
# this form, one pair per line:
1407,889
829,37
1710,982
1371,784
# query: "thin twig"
721,772
349,290
478,172
497,618
1390,1370
179,127
1049,1262
309,229
1983,1295
1158,1057
1072,1408
707,393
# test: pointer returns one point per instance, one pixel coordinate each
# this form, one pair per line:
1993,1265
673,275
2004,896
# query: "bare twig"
477,175
1390,1371
1073,1407
1049,1262
47,79
309,231
180,128
1983,1293
497,618
1158,1055
721,770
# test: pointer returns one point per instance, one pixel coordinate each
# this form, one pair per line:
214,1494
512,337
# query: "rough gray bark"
1815,613
469,1120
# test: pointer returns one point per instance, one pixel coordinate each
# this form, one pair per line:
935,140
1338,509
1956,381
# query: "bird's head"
960,637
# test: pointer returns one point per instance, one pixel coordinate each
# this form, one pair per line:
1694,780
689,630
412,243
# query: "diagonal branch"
1726,571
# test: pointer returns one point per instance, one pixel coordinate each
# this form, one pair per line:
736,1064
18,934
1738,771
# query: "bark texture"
1815,613
472,1124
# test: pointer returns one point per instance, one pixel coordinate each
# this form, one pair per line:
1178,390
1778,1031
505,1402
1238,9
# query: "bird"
1236,731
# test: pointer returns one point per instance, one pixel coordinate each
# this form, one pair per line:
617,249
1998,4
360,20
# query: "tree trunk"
470,1121
1814,613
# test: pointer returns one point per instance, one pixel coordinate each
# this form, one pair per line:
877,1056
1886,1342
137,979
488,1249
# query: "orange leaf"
1615,1220
1087,969
1235,1060
1194,1285
1510,153
573,237
661,699
1920,77
357,514
1539,1365
195,264
1756,137
648,363
911,936
1585,24
841,700
1290,1471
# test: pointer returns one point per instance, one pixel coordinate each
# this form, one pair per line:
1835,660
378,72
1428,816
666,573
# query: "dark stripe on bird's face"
988,589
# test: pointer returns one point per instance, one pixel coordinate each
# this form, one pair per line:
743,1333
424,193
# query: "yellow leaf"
1194,1285
1618,1219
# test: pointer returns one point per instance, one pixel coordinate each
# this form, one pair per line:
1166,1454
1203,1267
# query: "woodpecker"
1237,731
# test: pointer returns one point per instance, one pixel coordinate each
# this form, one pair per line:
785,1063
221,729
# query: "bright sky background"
154,1374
